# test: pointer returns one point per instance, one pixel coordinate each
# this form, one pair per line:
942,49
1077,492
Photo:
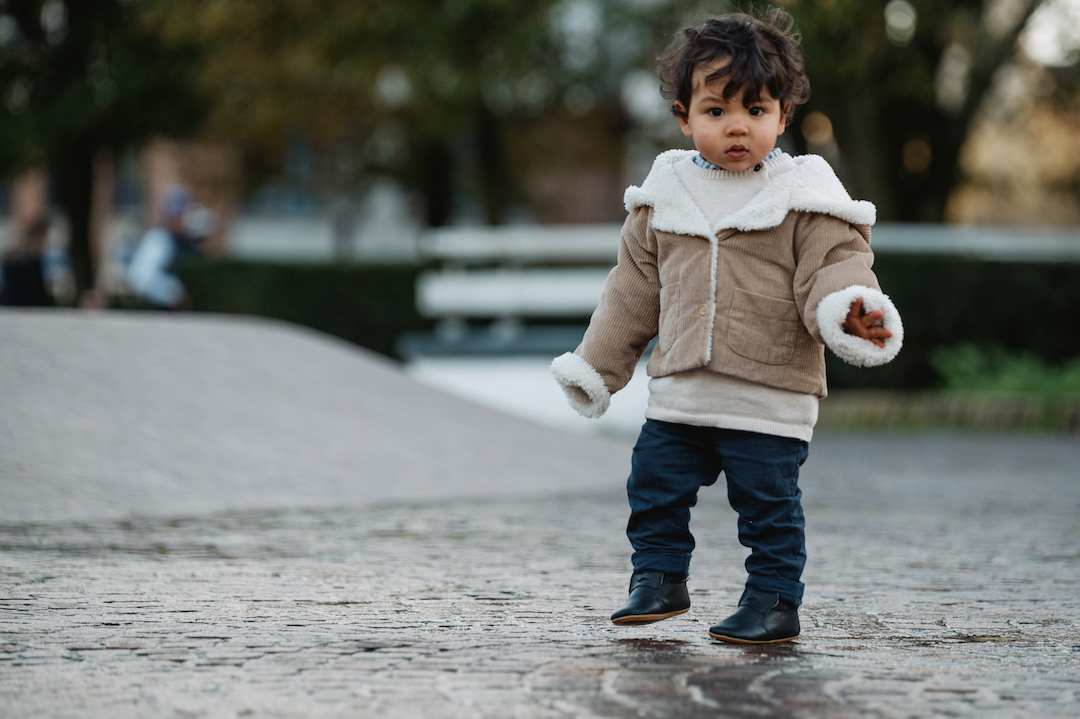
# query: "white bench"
514,272
506,275
506,293
524,244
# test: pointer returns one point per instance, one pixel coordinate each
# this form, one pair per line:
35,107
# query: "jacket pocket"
669,316
763,328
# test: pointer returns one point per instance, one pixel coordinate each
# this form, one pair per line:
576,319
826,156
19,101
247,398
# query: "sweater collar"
706,165
811,186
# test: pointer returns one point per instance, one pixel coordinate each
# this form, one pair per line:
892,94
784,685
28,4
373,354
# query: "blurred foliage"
476,99
369,305
902,100
972,367
375,86
80,78
272,66
470,96
461,98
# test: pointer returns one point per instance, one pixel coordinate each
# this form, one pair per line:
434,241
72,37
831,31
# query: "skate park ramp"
114,414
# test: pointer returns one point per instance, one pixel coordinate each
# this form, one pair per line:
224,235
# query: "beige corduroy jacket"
757,296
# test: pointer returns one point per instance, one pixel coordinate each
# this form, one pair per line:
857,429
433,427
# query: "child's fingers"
878,335
868,320
855,311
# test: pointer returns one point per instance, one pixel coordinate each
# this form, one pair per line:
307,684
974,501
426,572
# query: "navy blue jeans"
671,461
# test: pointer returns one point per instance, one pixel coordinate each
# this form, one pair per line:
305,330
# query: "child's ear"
783,119
679,110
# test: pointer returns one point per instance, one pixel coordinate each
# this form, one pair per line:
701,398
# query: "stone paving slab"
114,413
942,583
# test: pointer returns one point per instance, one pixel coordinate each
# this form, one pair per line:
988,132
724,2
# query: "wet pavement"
928,595
943,580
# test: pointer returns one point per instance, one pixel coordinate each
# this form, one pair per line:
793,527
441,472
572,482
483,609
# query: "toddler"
744,263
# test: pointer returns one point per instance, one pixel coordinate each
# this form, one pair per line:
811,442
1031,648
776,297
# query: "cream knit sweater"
704,398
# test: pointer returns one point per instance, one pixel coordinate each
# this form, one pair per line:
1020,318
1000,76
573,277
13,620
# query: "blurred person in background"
22,279
183,225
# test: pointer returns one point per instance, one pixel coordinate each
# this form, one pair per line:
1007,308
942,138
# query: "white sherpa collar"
811,186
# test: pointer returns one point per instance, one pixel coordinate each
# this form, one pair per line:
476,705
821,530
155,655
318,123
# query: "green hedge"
1031,307
945,302
367,304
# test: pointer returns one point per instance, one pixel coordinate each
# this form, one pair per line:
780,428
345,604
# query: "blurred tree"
79,78
466,96
898,84
369,83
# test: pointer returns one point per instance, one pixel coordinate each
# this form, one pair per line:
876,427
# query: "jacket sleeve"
834,262
622,326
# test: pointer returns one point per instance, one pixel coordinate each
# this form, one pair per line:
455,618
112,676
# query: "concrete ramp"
115,414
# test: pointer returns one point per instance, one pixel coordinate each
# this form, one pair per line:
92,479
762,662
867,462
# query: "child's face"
725,133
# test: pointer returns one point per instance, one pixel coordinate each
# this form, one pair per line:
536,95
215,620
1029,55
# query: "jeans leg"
670,463
763,487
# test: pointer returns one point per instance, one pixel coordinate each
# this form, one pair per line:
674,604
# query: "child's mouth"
737,152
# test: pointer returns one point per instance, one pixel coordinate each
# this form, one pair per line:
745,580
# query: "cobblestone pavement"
944,580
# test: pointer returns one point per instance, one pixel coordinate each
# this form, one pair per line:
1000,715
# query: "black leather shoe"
653,596
762,618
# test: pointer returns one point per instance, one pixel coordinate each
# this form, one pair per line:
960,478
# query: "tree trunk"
437,182
72,169
865,151
494,191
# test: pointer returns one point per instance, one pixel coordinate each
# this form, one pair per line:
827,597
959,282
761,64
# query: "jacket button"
702,310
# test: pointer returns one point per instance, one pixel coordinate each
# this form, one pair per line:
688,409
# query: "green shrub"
968,367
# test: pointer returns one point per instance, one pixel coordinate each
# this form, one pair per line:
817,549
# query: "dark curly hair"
762,52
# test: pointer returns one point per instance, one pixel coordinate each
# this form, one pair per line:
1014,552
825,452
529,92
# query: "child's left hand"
862,325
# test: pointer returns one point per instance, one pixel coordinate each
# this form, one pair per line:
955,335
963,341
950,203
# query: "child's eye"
757,111
716,112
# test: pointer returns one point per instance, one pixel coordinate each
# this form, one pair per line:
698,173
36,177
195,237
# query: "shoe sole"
736,640
647,618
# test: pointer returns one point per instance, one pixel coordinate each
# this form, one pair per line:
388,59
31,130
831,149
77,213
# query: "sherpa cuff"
833,310
583,386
